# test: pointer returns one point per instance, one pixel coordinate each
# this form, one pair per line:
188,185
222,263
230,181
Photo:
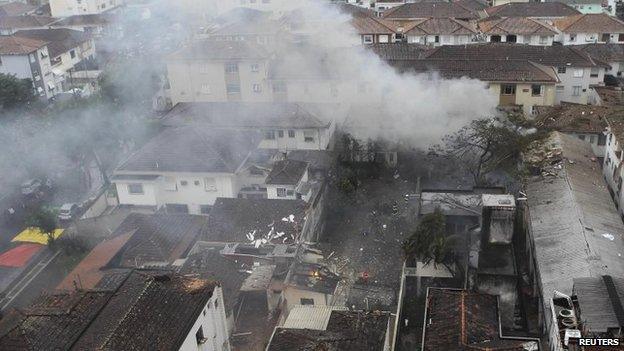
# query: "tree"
483,146
44,219
429,243
15,91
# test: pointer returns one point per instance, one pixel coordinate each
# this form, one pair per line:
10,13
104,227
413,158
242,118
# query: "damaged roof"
148,308
462,320
532,9
576,118
430,10
238,220
60,40
590,23
193,149
399,51
287,172
245,115
156,238
556,55
346,331
208,264
575,226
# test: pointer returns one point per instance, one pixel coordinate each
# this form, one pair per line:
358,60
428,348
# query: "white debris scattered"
384,226
251,236
291,218
284,219
361,249
608,236
279,234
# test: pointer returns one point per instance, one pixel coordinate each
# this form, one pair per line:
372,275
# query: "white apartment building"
28,59
66,8
589,28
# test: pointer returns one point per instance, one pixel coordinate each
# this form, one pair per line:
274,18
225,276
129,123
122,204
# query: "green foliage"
45,219
429,243
14,91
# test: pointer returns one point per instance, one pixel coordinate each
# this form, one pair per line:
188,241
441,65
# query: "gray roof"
605,52
287,172
232,220
399,51
430,10
532,9
577,2
16,8
575,226
244,115
191,149
317,159
597,307
60,40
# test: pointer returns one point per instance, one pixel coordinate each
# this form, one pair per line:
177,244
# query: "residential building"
586,122
374,30
574,230
66,8
95,25
28,59
11,24
577,73
547,11
16,8
186,169
215,71
584,6
440,31
314,327
382,5
464,320
288,180
589,28
262,31
400,51
611,53
69,50
284,126
168,312
503,2
518,83
522,30
422,10
612,166
308,284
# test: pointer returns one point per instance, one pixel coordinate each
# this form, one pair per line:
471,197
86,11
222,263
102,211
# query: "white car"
67,211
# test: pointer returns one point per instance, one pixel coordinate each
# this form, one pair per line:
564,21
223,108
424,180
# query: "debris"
609,236
383,226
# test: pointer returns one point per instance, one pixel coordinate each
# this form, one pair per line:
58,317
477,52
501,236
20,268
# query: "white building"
28,58
522,30
186,169
589,28
440,31
66,8
288,180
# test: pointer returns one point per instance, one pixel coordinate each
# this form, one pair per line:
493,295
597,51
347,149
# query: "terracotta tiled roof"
370,25
532,9
590,23
16,8
60,40
604,52
26,21
516,25
430,9
11,45
440,26
399,51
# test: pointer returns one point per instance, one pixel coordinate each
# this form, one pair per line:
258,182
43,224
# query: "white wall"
65,8
528,39
213,322
442,39
320,139
568,80
148,198
585,38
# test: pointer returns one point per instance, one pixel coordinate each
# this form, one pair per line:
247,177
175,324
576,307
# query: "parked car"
67,211
31,186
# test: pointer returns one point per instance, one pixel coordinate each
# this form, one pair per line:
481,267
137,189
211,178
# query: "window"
135,189
576,90
210,184
171,184
280,133
184,182
233,89
231,67
592,139
560,88
602,139
32,58
605,37
281,192
255,67
199,336
495,38
508,89
205,89
204,68
578,73
384,39
205,209
581,136
279,87
72,54
291,133
308,136
257,88
594,72
367,39
512,38
436,39
290,192
561,70
196,182
269,135
572,37
536,90
305,301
